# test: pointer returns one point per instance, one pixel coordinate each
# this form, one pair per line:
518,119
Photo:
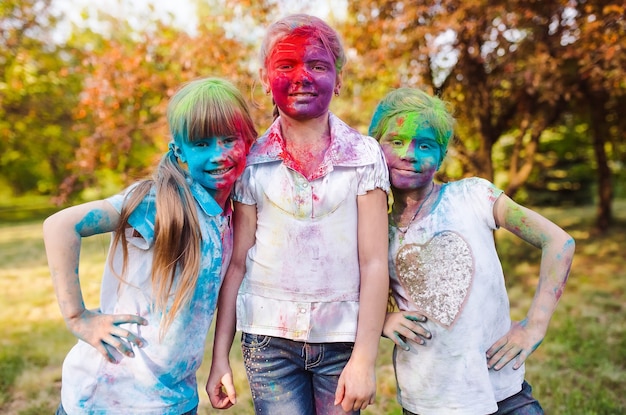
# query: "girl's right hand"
220,386
103,331
403,326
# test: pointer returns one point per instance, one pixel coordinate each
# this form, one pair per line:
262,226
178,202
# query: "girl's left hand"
405,325
520,342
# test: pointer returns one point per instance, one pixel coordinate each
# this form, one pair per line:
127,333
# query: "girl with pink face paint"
308,280
446,277
140,351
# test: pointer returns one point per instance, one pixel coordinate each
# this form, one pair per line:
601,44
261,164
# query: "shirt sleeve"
375,175
142,219
244,189
484,195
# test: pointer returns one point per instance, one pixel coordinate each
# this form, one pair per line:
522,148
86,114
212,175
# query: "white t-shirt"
447,268
302,274
161,378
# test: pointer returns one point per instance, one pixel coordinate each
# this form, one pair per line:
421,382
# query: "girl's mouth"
217,172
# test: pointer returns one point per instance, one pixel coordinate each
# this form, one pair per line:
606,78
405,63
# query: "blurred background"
538,87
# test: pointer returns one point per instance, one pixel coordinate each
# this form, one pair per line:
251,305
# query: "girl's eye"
284,66
231,139
397,143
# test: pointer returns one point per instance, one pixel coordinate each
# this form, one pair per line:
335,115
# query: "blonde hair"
433,110
207,107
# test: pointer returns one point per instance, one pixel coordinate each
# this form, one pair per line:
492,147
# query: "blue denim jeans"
61,411
522,403
289,377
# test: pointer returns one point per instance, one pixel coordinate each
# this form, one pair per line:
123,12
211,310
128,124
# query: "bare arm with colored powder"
557,249
357,384
220,387
63,233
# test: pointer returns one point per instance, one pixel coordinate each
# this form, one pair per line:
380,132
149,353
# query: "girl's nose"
408,152
303,76
216,150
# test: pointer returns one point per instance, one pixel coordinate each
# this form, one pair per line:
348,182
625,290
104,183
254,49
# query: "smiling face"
214,162
412,151
301,75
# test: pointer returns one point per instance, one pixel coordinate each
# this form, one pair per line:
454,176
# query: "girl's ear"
264,81
443,156
177,152
338,83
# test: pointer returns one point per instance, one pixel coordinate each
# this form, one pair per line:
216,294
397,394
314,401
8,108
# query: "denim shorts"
289,377
522,403
61,411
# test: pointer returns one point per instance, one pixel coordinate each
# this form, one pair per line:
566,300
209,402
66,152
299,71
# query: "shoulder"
267,147
473,194
351,148
474,184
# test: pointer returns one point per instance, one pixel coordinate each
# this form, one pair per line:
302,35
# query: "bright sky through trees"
181,13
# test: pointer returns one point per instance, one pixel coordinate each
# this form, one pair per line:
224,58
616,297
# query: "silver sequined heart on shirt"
437,276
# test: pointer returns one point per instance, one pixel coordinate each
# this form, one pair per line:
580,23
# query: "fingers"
349,405
521,358
403,326
357,399
399,341
129,319
504,355
220,401
222,394
230,389
104,352
340,392
103,332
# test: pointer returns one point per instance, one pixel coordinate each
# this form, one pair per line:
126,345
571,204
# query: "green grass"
580,369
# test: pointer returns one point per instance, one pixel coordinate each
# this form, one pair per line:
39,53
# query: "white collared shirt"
302,274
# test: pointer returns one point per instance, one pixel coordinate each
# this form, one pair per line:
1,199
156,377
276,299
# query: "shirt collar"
204,199
344,149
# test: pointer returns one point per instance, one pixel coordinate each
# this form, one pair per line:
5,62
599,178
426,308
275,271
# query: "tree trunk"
604,213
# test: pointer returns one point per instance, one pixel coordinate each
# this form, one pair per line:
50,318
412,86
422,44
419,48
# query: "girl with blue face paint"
457,350
171,240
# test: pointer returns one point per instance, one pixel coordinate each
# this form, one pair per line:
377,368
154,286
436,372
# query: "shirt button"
302,311
305,184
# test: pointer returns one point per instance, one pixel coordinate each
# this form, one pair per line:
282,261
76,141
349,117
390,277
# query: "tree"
507,66
38,88
129,77
600,85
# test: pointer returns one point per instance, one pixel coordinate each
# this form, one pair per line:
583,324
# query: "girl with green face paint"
457,351
139,352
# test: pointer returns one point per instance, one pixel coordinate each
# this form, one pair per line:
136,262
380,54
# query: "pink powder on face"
302,76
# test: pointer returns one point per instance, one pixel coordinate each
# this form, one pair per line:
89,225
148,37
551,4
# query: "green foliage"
39,88
564,170
11,364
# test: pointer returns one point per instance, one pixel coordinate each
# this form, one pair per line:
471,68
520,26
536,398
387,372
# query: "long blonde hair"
207,107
